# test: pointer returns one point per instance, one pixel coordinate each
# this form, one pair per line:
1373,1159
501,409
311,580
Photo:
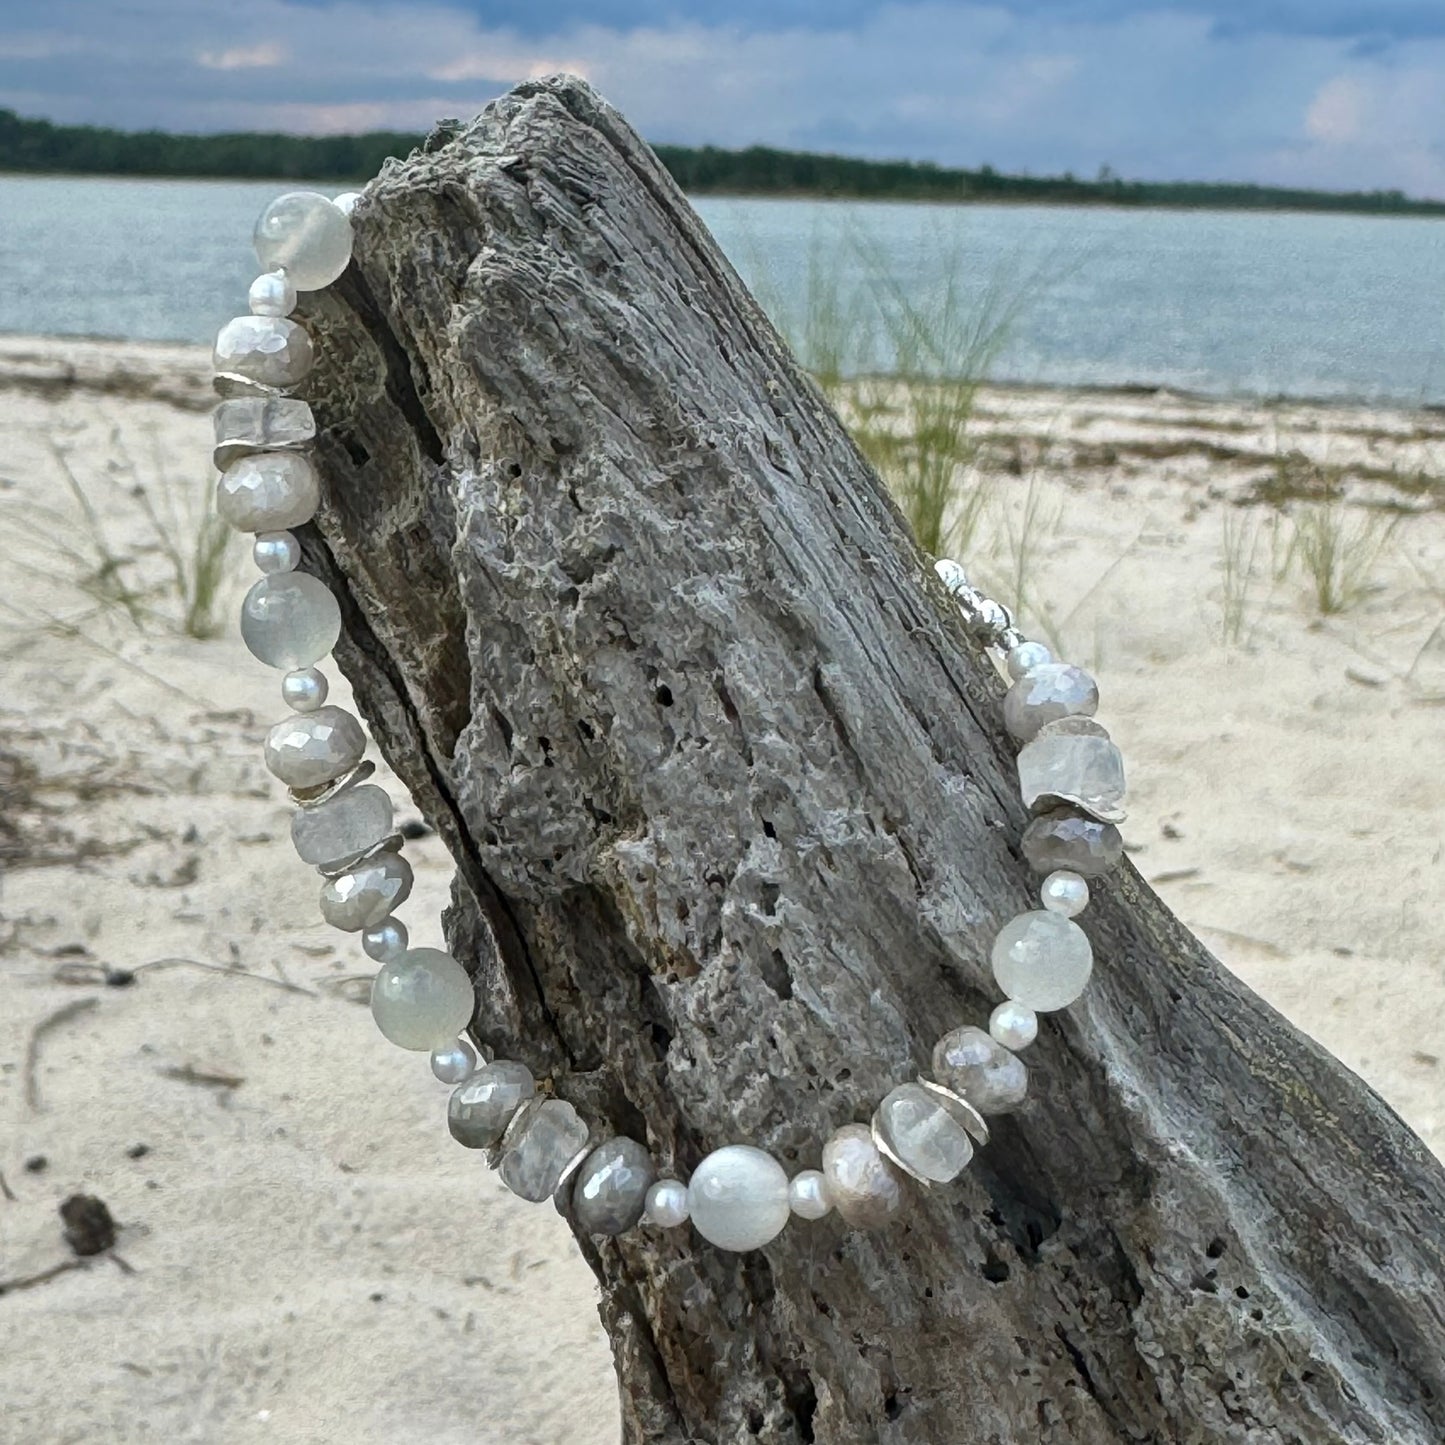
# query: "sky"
1342,94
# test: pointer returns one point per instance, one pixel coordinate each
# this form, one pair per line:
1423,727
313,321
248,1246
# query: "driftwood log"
734,824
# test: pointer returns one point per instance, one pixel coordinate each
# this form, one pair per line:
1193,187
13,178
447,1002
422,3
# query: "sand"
306,1255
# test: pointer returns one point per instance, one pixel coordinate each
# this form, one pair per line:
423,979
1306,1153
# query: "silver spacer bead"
973,1122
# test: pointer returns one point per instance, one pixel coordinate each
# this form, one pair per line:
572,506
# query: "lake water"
1221,302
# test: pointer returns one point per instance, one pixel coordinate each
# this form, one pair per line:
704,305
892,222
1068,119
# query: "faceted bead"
667,1204
260,423
268,492
480,1110
310,749
1014,1025
864,1187
1065,892
290,620
543,1149
305,689
276,552
455,1062
972,1063
1081,769
422,999
1065,838
272,294
611,1189
268,350
1024,658
307,235
738,1197
953,577
923,1136
808,1195
362,896
1045,693
1043,960
351,822
386,941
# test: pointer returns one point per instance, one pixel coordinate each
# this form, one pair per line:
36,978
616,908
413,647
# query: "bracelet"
925,1131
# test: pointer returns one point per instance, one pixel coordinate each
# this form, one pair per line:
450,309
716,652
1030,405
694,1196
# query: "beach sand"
306,1255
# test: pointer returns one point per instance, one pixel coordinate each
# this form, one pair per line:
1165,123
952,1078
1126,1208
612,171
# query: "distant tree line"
40,146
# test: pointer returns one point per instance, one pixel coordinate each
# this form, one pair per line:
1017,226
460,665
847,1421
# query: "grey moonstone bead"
290,620
307,750
307,235
354,820
738,1197
547,1141
865,1188
972,1063
1046,693
362,896
611,1189
1064,766
924,1137
269,350
1068,839
260,423
480,1109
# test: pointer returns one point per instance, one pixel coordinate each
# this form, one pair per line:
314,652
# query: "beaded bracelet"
738,1197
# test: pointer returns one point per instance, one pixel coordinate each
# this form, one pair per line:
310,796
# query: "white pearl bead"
272,294
1027,656
1014,1025
808,1196
305,689
456,1062
667,1203
386,941
738,1197
1065,892
422,1000
307,235
276,552
346,201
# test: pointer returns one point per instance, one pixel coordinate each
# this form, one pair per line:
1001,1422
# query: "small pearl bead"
1013,1025
456,1062
304,690
1065,892
386,941
272,294
667,1203
808,1196
276,551
1027,656
346,201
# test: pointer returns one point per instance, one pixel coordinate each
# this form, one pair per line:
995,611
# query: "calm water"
1303,305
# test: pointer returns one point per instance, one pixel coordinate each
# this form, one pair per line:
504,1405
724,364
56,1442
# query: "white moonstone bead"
272,293
268,492
738,1197
276,552
422,1000
290,620
924,1137
309,749
362,896
1042,960
864,1187
1066,893
269,350
1014,1025
808,1196
388,940
305,689
667,1204
346,201
356,819
306,234
454,1062
1046,693
1025,657
974,1064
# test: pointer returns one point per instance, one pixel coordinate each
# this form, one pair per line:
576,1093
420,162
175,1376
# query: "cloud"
243,57
1337,112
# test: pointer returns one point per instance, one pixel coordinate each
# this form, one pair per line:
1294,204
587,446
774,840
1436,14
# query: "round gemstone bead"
924,1137
974,1064
272,294
388,940
738,1197
268,350
1042,960
808,1195
268,492
290,620
864,1187
667,1204
1066,839
276,552
422,1000
1066,893
305,689
346,201
356,819
309,749
363,896
480,1110
307,235
1014,1025
1024,658
1046,693
611,1189
454,1062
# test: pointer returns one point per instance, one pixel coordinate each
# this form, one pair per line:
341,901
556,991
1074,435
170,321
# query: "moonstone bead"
362,896
1014,1025
276,552
388,940
864,1187
455,1062
422,1000
290,620
260,423
1043,960
667,1204
611,1189
1045,693
354,820
305,689
310,749
1073,768
542,1150
973,1063
1024,658
480,1110
268,350
924,1137
307,234
738,1197
808,1195
272,293
268,492
1067,839
1066,893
